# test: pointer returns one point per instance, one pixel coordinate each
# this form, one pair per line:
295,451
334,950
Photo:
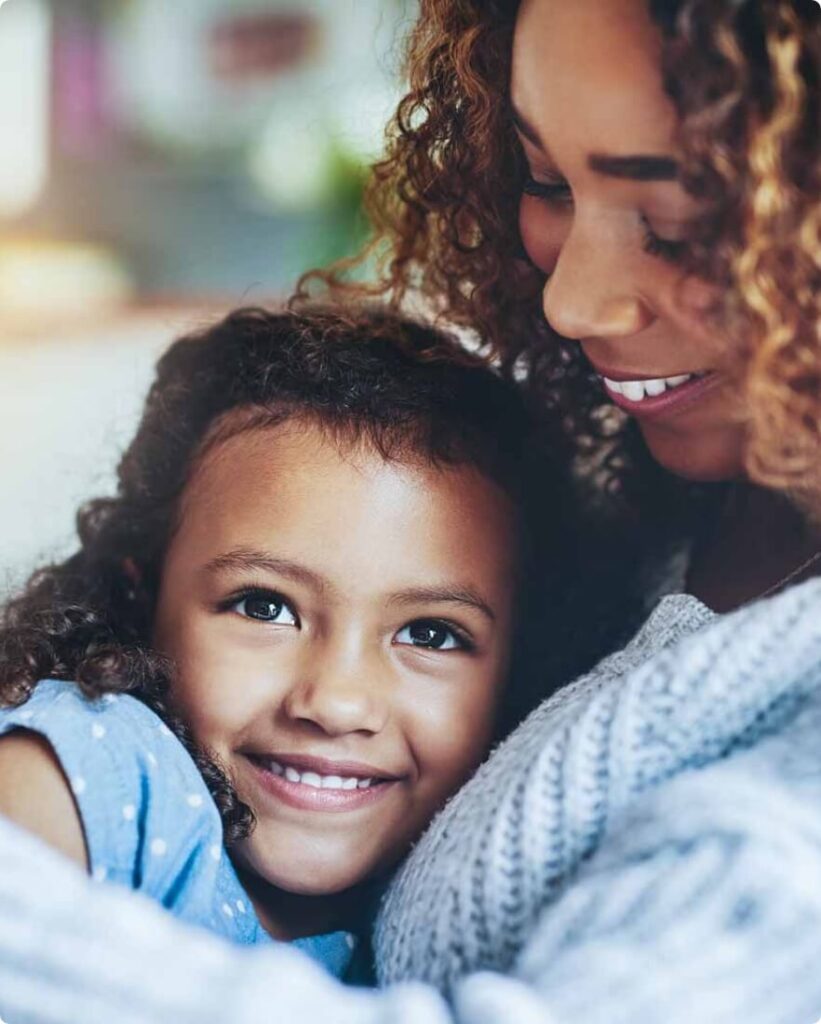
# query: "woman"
647,846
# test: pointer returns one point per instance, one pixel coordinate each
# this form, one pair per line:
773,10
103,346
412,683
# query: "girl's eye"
555,191
672,250
265,607
433,635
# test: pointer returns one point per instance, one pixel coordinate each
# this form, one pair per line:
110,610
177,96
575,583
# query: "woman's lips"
308,791
653,398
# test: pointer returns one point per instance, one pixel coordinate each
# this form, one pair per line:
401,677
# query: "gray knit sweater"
645,848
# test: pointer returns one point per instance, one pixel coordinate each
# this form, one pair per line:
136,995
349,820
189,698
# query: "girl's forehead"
295,490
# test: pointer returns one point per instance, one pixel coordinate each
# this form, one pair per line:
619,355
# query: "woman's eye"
266,608
432,634
672,250
556,191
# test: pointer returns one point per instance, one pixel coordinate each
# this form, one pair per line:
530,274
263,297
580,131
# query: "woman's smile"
657,395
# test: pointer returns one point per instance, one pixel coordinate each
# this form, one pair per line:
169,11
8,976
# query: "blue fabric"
150,822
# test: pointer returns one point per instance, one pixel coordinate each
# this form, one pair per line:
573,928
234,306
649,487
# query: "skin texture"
36,795
586,80
335,675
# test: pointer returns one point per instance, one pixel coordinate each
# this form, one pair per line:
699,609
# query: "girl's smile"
340,631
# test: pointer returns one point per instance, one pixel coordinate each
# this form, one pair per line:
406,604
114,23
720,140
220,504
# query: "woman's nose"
592,291
338,692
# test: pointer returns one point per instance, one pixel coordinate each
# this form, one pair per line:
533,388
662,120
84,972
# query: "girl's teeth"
638,390
318,781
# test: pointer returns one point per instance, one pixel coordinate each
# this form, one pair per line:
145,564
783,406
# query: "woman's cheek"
543,231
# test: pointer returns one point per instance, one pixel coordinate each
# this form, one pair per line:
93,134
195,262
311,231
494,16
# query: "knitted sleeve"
703,905
517,837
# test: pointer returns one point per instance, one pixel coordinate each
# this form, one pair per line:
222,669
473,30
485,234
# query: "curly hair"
408,391
743,75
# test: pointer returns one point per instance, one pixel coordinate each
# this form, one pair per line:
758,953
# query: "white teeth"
315,780
654,388
633,389
638,390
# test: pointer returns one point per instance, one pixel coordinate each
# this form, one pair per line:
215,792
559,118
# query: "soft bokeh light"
25,75
162,162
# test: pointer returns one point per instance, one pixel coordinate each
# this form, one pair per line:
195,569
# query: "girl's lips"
310,798
671,402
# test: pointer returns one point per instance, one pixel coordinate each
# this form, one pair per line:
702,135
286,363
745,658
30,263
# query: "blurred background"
161,163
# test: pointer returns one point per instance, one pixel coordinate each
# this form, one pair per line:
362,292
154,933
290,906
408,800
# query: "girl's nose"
339,693
592,291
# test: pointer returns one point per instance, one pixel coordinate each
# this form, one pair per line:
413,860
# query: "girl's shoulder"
144,806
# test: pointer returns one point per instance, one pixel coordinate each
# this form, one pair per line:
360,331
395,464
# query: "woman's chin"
711,457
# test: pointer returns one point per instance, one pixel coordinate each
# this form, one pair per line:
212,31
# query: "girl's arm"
35,794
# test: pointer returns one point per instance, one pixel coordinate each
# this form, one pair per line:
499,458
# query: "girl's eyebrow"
249,560
447,595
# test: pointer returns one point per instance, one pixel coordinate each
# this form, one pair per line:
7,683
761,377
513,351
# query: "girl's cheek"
542,231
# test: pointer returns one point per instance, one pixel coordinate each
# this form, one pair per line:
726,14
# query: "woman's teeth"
317,781
638,390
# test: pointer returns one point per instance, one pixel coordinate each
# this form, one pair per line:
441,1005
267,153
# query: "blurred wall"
162,162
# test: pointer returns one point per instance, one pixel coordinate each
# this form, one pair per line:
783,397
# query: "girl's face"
603,216
340,627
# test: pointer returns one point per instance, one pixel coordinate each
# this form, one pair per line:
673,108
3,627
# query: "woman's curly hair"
744,76
411,392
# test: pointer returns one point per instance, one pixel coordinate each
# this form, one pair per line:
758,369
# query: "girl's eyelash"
664,248
557,191
255,593
464,640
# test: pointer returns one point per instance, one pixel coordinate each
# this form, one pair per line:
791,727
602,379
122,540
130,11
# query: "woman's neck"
760,541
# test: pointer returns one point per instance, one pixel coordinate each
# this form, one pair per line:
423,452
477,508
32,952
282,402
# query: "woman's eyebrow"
524,127
446,594
639,167
636,167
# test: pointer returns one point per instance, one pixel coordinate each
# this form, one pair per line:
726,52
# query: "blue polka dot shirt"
150,822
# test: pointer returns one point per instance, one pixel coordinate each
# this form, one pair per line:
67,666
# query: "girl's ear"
132,571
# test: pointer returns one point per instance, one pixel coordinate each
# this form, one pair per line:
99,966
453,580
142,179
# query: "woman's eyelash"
557,191
664,248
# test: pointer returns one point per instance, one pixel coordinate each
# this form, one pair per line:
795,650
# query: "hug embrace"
486,678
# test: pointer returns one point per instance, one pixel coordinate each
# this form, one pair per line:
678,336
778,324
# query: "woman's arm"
704,904
72,950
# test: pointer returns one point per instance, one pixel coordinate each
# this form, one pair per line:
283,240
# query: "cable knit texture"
505,848
645,849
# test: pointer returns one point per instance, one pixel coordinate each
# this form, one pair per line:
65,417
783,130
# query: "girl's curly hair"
744,76
411,392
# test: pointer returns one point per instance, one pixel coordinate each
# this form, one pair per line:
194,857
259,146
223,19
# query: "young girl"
282,645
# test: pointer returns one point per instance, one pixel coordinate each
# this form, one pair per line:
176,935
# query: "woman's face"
603,216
